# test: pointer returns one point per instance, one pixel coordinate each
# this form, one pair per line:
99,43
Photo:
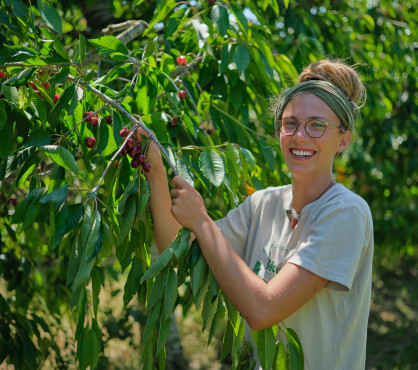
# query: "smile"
302,153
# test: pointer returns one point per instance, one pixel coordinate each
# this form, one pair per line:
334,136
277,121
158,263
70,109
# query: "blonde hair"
340,74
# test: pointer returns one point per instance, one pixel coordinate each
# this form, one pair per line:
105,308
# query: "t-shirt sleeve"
332,246
236,225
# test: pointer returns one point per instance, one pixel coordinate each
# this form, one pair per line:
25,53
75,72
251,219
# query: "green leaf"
38,138
57,196
95,289
202,32
183,243
212,166
61,156
146,95
3,116
86,263
170,296
128,219
133,281
163,334
241,58
88,349
144,194
209,310
228,341
220,18
12,54
161,262
199,274
151,324
109,46
296,358
107,244
63,101
50,16
218,319
20,78
158,289
266,346
15,160
80,49
280,360
60,76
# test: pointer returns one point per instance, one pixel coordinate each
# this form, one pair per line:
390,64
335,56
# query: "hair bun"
338,73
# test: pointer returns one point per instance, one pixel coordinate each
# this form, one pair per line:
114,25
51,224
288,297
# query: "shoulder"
341,197
270,194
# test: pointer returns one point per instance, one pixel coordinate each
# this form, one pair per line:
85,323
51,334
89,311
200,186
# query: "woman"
302,253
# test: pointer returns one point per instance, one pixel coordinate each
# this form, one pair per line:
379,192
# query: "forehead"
307,105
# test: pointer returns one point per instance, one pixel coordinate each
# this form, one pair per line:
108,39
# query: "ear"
345,140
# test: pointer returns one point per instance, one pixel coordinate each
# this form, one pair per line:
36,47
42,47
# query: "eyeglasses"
315,128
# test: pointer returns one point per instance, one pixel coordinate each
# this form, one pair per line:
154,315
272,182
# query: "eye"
316,124
289,123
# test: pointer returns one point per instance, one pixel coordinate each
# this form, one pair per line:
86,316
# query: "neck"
307,191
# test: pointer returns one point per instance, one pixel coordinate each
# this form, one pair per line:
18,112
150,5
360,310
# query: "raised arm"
165,225
261,304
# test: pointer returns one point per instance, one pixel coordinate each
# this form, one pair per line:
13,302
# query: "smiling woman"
302,253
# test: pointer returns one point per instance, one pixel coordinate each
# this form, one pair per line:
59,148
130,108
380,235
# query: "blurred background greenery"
380,37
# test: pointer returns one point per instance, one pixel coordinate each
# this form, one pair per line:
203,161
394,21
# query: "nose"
301,134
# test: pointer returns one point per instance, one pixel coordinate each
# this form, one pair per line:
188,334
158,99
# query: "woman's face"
306,156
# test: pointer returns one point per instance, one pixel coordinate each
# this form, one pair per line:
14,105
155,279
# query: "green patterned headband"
328,92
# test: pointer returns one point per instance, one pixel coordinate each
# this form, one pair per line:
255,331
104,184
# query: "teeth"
302,153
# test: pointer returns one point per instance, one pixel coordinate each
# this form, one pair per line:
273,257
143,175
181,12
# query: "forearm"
247,292
165,225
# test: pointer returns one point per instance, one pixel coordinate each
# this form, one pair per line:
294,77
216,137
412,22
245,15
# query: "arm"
262,305
165,225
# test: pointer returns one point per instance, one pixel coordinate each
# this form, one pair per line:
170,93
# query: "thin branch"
138,123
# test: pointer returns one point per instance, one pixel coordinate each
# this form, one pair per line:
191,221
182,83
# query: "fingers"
180,183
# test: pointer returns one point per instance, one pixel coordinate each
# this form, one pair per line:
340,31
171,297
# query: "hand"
153,154
188,207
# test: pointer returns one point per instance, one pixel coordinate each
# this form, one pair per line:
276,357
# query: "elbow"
260,320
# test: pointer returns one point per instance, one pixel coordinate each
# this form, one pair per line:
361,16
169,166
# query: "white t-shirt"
333,239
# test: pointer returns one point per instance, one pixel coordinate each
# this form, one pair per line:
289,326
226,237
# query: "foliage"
75,211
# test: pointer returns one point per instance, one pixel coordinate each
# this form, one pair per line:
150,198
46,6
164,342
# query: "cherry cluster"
135,151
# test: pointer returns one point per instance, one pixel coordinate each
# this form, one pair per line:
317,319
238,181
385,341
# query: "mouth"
302,153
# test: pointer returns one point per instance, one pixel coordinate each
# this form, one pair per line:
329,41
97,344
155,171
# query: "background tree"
74,215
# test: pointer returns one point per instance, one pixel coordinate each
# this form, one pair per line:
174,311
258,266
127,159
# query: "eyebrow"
311,117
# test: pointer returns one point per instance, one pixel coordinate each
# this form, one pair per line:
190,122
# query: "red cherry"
90,142
146,167
182,94
211,2
40,94
124,132
94,121
2,74
124,151
135,152
12,200
135,163
33,85
56,97
130,144
174,121
142,159
88,114
109,120
181,60
116,164
46,85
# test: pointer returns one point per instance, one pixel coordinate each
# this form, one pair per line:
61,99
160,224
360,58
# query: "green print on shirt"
272,267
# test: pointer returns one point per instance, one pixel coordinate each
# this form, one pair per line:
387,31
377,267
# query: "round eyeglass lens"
315,128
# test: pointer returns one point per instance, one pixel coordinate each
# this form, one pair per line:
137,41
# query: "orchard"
86,87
